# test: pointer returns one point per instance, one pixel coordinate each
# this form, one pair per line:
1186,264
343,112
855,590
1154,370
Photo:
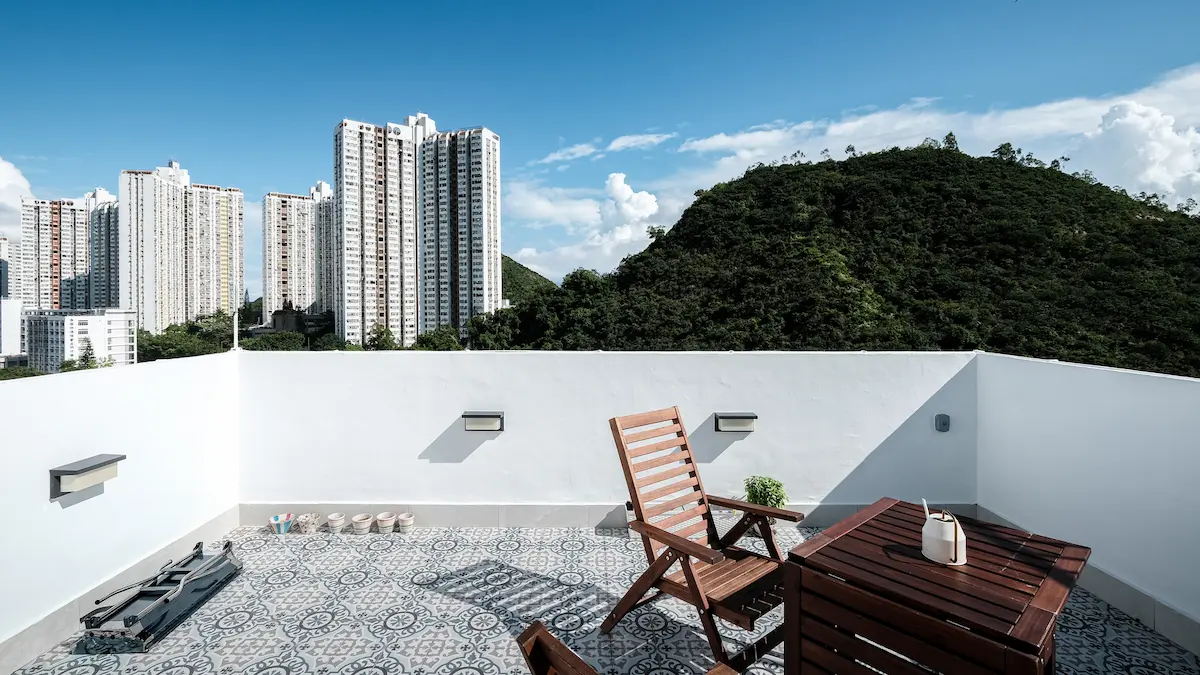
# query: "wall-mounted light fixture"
81,475
483,420
734,421
941,422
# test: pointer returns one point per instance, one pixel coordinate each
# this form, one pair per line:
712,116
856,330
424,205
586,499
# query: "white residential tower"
376,209
460,227
54,254
289,254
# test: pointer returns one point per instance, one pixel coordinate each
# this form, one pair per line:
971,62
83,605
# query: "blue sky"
248,96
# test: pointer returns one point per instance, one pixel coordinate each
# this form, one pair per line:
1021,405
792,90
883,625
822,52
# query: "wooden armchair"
545,655
673,516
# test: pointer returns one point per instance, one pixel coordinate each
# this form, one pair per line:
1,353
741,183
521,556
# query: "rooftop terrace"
523,524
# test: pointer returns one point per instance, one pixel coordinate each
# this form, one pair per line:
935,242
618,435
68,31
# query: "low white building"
10,327
54,336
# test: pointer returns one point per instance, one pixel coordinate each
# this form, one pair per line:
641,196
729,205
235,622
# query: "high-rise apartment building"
6,267
54,254
152,269
376,209
460,227
326,245
214,255
53,336
104,221
289,254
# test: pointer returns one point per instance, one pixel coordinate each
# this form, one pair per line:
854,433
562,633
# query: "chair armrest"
756,509
680,544
722,669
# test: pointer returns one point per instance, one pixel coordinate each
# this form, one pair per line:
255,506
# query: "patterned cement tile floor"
450,600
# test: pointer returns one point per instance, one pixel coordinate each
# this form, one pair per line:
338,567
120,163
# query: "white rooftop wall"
1101,457
370,427
1106,458
175,420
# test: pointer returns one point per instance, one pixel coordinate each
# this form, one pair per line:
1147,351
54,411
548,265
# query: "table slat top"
1012,588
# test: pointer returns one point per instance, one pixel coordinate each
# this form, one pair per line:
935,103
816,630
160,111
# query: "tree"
381,339
284,341
1005,152
353,347
327,343
950,142
87,360
825,154
850,152
930,143
440,339
250,313
16,372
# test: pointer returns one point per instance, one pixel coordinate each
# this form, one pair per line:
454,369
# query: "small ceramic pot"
281,523
404,523
307,523
336,522
385,521
362,523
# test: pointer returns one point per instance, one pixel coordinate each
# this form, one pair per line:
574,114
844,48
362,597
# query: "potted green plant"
765,491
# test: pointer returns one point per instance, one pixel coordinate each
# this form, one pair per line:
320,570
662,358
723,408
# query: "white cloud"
542,206
1143,141
623,218
1140,149
568,153
634,141
13,186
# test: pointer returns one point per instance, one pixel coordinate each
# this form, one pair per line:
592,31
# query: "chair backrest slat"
664,484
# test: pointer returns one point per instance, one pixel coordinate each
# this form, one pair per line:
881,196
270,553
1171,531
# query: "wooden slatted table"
860,592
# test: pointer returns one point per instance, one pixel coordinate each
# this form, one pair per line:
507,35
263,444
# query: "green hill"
917,249
520,282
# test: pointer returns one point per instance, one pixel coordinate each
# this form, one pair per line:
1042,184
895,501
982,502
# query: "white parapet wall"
386,428
176,422
1106,458
1101,457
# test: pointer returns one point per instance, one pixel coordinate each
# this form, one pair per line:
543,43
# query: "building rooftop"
440,599
523,524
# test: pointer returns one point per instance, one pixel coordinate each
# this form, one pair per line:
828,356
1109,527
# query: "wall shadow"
455,444
72,498
916,461
708,444
574,611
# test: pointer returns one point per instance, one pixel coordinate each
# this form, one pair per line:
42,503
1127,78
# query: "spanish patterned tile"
449,601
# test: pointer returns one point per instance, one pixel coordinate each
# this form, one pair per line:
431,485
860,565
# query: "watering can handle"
957,527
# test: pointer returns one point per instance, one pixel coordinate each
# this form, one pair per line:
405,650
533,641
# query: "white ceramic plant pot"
362,523
336,522
404,522
385,521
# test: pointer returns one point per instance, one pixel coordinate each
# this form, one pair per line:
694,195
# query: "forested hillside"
925,248
520,282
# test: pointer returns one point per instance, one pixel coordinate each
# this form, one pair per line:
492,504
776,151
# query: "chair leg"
768,535
706,617
643,584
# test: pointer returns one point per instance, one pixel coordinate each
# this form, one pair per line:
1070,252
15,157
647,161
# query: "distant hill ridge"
520,282
917,249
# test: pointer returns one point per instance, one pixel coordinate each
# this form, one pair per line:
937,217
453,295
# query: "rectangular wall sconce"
483,420
81,475
734,421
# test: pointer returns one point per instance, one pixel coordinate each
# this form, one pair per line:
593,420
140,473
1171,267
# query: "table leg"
1051,660
791,618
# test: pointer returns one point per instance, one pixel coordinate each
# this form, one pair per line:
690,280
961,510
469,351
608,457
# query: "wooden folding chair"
545,655
672,513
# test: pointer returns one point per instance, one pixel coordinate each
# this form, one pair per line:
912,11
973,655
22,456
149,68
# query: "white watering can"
942,538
